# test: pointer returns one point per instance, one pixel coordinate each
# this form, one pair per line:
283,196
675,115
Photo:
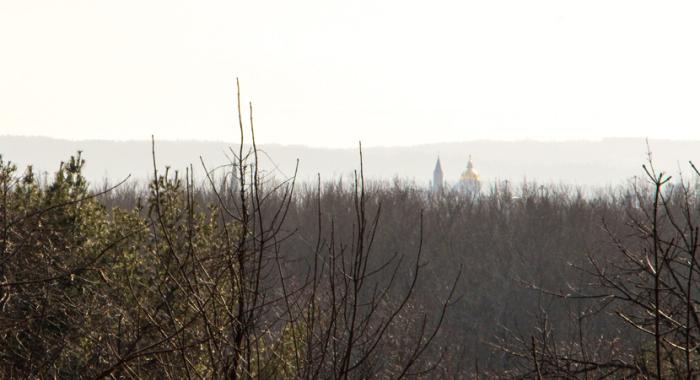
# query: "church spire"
438,176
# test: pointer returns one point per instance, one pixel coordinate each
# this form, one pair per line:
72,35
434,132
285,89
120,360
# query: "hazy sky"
329,73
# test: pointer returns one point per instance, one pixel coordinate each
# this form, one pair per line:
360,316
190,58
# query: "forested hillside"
245,277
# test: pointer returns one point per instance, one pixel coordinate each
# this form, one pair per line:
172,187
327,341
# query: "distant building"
438,177
469,181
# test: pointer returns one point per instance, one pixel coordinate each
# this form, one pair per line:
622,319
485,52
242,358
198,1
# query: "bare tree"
651,287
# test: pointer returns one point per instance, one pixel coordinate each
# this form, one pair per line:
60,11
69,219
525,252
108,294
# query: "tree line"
229,273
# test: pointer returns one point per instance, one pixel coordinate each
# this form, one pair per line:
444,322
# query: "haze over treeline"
373,280
587,163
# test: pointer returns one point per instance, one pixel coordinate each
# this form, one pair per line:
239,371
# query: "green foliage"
150,292
80,282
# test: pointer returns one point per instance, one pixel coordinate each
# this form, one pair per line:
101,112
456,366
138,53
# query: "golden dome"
470,174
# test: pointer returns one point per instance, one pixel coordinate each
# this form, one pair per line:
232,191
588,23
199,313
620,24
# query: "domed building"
469,181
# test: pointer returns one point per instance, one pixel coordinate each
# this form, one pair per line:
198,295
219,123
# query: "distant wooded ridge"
611,161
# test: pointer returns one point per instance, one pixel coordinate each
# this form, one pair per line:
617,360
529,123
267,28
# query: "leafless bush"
650,287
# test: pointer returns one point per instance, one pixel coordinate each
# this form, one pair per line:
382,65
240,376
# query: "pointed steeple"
438,176
438,167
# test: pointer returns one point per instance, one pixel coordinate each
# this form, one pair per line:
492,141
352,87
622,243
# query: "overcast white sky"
329,73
